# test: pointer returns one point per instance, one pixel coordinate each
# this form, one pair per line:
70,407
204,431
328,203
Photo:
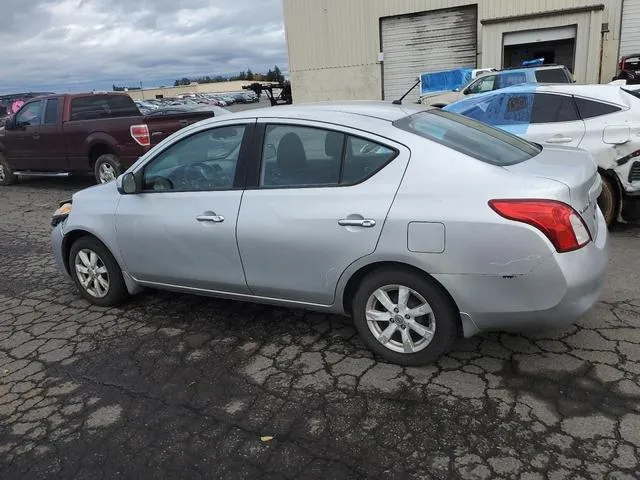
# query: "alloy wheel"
92,273
107,173
2,174
400,319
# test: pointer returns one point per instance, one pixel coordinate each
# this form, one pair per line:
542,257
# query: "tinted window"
509,79
552,75
300,156
103,106
591,108
363,159
548,108
51,111
204,161
30,114
469,137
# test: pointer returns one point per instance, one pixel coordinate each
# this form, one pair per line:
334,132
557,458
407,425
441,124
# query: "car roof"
380,110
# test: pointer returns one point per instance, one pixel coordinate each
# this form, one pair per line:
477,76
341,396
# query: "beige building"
376,49
170,92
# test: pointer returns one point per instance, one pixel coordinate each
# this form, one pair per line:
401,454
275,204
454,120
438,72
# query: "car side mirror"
127,184
270,151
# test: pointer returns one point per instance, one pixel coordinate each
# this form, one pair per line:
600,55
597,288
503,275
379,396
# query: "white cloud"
74,44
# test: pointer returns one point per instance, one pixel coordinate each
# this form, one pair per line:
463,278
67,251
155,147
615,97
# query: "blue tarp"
442,81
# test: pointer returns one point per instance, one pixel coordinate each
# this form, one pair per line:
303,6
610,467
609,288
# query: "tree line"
272,75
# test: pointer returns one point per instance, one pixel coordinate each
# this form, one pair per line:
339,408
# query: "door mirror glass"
270,151
128,184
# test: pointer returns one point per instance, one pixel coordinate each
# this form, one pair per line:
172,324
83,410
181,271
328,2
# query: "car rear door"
51,152
319,201
554,120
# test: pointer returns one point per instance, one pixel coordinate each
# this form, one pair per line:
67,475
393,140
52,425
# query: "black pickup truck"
102,133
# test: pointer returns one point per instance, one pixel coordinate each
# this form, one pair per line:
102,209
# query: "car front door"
319,202
180,229
23,139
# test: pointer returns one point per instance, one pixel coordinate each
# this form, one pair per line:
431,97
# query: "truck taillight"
140,134
560,223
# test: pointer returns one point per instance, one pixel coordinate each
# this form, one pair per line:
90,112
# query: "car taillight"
560,223
140,134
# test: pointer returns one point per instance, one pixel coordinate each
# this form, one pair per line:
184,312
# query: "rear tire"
608,201
415,331
96,273
7,177
107,168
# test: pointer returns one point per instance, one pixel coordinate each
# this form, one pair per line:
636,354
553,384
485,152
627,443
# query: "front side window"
31,114
204,161
485,84
470,137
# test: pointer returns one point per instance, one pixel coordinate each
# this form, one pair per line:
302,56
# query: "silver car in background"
421,225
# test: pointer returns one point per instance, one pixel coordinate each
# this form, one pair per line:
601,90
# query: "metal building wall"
334,44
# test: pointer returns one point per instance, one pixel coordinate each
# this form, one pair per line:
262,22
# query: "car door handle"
210,218
156,134
357,222
36,136
560,139
184,122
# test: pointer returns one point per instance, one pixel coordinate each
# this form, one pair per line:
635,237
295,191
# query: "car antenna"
399,101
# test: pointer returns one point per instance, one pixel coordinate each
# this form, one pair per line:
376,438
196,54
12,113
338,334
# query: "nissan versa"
422,225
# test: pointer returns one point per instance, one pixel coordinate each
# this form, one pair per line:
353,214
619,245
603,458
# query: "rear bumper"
554,294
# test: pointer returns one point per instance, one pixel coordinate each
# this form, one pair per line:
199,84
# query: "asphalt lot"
177,386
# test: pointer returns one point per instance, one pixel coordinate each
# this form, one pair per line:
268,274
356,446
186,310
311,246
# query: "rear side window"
103,106
552,75
591,108
51,111
509,79
469,137
549,108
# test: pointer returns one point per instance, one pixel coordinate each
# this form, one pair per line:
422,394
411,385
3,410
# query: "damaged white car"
602,119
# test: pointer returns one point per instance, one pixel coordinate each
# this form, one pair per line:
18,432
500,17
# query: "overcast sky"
60,45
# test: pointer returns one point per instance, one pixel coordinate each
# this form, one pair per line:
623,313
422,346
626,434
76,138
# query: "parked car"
502,79
165,121
102,133
629,69
445,226
603,119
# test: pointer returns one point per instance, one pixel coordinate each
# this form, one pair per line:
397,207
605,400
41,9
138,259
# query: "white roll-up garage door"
630,31
426,42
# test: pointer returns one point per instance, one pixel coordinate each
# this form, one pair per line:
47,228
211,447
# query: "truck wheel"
7,177
107,168
608,201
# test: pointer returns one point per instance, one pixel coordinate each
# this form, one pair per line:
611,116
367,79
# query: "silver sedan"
420,224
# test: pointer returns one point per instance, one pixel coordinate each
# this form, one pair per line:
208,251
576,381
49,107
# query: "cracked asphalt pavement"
178,386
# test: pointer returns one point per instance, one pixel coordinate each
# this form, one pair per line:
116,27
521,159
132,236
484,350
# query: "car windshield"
469,137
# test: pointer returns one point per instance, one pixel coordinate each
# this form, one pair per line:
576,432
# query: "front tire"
7,177
404,317
608,201
107,168
96,273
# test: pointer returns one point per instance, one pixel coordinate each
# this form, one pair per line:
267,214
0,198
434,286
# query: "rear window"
469,137
103,106
552,75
